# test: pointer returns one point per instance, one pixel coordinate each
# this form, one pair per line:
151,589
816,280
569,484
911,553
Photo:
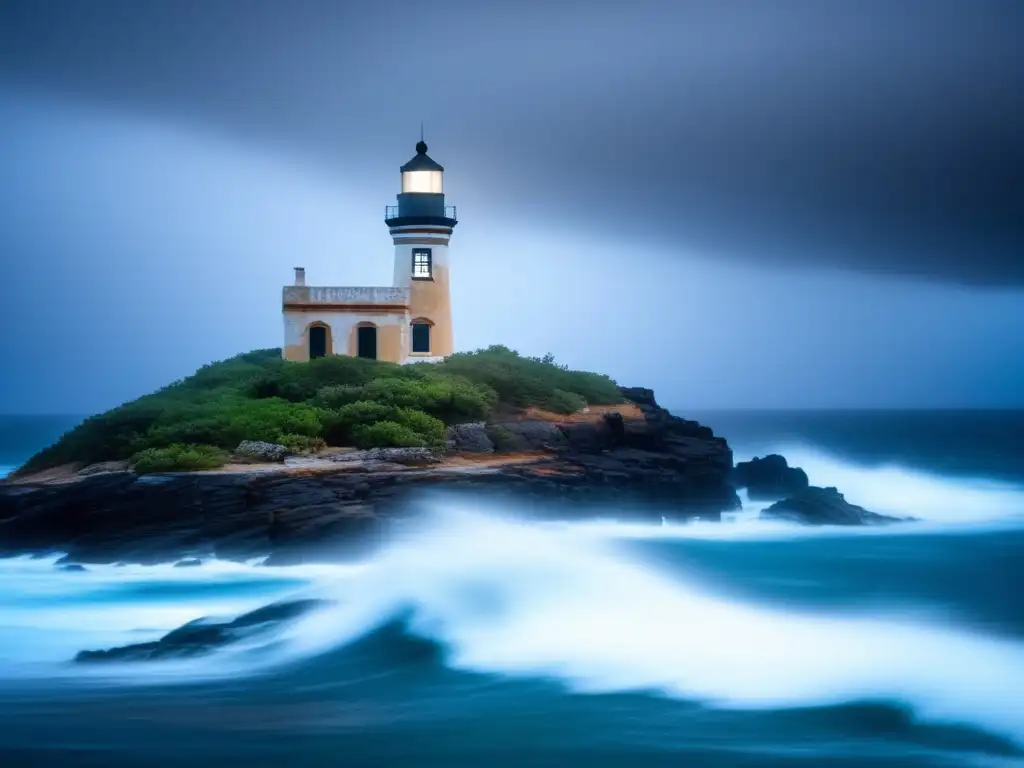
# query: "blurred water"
477,637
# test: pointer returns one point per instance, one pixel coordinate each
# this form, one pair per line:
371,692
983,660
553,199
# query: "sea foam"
570,602
508,597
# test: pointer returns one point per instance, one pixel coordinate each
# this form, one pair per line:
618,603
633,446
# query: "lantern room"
422,175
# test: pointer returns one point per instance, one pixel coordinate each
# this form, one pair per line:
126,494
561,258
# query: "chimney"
300,275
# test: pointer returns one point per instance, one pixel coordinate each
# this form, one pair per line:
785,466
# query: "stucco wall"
392,333
343,309
429,299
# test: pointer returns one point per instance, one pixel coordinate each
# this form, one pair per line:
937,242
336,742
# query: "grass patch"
335,400
179,458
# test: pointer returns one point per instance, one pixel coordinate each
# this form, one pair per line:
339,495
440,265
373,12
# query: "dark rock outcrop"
677,466
824,506
326,508
188,562
71,567
468,438
203,636
528,435
641,396
770,478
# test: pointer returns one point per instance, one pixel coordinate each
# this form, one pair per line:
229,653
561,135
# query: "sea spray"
574,603
895,490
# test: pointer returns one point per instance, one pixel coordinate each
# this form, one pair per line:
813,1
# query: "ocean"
482,639
21,436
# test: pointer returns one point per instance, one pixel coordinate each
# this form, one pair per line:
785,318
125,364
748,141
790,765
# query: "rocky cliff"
649,464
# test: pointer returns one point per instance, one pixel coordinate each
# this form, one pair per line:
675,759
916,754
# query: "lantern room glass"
422,182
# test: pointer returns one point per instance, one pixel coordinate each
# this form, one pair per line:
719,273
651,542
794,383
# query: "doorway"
317,342
366,341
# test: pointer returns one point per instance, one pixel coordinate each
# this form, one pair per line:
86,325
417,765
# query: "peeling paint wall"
306,294
392,333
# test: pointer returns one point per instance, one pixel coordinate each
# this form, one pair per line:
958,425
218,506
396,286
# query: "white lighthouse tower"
421,226
408,321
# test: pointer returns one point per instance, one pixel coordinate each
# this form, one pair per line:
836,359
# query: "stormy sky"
759,203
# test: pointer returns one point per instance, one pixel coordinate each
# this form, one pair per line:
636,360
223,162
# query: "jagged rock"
641,396
616,425
468,438
770,478
588,436
203,636
661,424
413,457
256,449
824,506
397,456
346,456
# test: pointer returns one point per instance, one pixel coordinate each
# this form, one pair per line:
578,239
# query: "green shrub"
233,373
338,395
227,421
424,425
179,458
455,399
259,396
266,419
402,393
561,401
339,424
302,443
525,381
300,382
387,434
448,398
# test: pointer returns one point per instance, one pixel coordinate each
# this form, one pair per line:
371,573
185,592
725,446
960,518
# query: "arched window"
421,336
319,341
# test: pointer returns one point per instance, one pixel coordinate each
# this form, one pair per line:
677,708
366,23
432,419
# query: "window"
421,267
421,337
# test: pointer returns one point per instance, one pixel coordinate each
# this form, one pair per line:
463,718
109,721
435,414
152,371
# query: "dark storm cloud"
880,136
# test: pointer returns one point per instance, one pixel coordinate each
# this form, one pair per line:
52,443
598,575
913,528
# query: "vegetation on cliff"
340,401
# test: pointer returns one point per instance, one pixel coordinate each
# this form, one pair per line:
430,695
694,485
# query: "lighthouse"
421,226
408,321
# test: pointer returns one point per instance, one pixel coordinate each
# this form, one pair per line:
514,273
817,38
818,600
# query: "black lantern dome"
422,161
421,200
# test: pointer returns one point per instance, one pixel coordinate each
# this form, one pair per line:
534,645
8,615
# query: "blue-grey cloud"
145,250
877,136
739,207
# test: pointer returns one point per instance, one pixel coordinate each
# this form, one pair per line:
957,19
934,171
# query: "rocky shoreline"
647,464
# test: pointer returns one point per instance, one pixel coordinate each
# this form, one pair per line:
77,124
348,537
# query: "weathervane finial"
421,145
